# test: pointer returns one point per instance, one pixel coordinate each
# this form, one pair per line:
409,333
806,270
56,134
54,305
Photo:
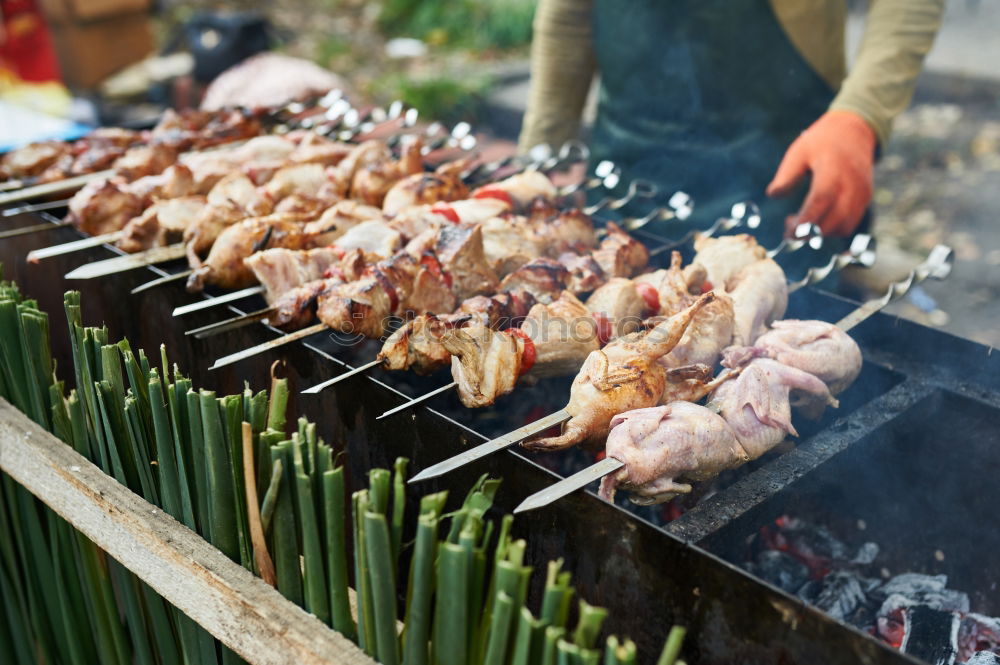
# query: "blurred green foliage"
443,98
475,24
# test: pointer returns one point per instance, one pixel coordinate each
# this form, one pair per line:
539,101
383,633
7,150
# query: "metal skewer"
234,323
57,187
937,265
417,400
860,253
267,346
35,228
128,262
319,387
36,255
35,207
160,281
744,213
492,446
218,300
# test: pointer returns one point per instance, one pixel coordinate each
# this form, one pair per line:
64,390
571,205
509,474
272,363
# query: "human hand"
839,150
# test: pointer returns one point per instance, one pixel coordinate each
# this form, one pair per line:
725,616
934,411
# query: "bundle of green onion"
205,460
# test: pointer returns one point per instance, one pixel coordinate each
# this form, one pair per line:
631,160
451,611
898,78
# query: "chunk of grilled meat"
31,160
103,206
563,334
622,376
162,223
522,188
619,254
344,215
662,444
543,277
620,303
485,363
462,255
175,181
279,270
224,265
144,160
585,273
371,182
509,243
374,237
422,188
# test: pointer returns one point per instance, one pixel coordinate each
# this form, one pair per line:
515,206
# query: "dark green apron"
703,96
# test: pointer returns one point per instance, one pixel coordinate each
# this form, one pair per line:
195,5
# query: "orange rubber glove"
839,150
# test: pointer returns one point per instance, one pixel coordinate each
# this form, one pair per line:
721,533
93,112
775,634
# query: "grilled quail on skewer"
724,256
760,296
624,375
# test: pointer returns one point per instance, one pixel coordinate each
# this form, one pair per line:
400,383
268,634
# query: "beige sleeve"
898,34
562,67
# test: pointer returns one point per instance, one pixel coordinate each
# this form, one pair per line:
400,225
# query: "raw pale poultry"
661,445
760,296
725,256
624,375
224,266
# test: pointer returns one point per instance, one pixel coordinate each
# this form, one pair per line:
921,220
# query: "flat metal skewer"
860,253
56,187
35,228
234,323
36,255
492,446
160,281
35,207
417,400
937,265
577,481
743,213
267,346
319,387
218,300
128,262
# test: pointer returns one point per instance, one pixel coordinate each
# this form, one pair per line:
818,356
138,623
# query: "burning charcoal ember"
842,593
813,545
911,589
780,569
979,637
931,635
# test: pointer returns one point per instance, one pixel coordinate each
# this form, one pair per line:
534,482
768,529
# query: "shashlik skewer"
718,250
786,345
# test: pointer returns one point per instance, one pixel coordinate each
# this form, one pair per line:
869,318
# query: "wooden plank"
230,602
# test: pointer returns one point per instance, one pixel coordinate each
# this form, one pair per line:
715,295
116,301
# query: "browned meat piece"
563,333
620,304
314,149
301,179
145,160
723,257
210,223
210,166
432,288
417,345
279,270
420,188
374,237
462,256
569,231
485,363
162,223
817,347
585,274
343,216
296,308
760,296
619,254
662,444
32,159
757,404
224,265
371,183
506,309
175,181
103,206
509,243
364,155
622,376
102,147
544,278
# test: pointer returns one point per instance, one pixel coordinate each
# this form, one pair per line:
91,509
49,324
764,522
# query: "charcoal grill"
912,452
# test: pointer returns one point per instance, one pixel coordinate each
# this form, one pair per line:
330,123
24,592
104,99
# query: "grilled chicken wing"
622,376
758,407
662,444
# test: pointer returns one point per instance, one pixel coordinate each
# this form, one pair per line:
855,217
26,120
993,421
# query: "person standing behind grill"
730,101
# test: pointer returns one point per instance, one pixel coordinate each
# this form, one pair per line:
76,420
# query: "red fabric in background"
25,42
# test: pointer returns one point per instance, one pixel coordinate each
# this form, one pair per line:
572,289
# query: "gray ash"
913,612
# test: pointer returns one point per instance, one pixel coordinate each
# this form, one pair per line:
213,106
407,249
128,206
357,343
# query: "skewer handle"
937,265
